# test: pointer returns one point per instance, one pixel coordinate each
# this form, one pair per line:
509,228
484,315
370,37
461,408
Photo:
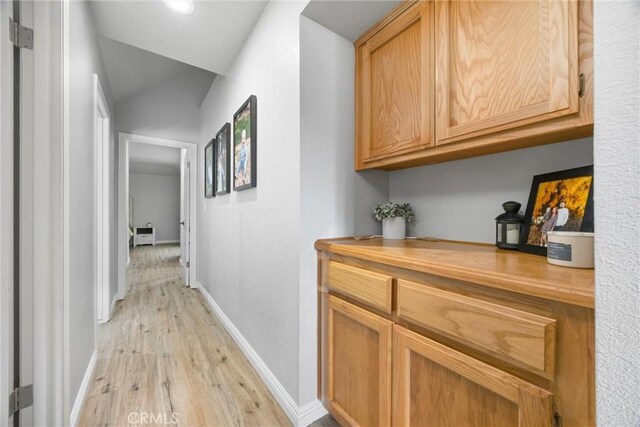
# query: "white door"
185,224
16,215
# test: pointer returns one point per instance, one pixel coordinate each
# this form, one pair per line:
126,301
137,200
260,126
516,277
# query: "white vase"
394,228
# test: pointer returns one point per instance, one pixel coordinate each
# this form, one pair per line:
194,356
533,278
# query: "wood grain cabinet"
394,101
359,365
435,385
448,334
505,75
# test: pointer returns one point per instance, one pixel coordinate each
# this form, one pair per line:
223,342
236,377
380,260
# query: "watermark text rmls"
153,418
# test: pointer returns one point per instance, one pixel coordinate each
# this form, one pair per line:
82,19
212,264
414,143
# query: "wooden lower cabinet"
358,365
434,385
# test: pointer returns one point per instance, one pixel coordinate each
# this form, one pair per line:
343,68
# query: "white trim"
113,305
299,416
123,201
62,299
101,135
82,392
166,242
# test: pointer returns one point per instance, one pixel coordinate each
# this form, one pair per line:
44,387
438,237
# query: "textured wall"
460,200
334,199
170,109
156,199
617,214
248,257
84,61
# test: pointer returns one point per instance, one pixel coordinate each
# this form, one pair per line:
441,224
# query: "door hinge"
188,264
581,85
20,398
20,36
557,420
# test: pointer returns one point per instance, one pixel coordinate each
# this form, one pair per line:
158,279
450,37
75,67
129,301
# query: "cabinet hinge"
557,420
581,85
20,398
20,36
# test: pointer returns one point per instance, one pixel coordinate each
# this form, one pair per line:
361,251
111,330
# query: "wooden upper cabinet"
444,80
359,365
394,101
435,385
503,64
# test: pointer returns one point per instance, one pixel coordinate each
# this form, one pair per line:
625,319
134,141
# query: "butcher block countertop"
475,263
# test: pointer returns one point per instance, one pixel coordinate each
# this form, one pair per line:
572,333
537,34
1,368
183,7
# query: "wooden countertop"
475,263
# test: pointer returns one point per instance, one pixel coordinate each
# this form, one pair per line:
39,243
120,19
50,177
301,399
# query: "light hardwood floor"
164,352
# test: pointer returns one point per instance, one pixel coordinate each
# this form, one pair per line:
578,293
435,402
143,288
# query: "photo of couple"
560,206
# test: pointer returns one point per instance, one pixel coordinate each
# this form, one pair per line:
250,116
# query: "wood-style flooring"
166,355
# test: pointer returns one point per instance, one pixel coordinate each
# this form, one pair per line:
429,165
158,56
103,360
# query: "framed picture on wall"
244,145
222,165
558,201
208,169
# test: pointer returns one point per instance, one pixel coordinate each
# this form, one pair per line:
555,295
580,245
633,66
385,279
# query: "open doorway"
156,195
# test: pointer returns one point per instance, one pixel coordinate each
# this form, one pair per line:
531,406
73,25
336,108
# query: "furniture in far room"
144,236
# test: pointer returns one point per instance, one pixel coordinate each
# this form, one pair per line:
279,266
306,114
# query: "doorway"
102,254
187,223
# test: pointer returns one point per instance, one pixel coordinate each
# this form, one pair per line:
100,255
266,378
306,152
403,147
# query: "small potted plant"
394,217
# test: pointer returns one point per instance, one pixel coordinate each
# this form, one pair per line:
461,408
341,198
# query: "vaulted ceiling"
209,38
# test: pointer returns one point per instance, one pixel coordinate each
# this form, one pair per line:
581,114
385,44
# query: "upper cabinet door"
394,87
504,64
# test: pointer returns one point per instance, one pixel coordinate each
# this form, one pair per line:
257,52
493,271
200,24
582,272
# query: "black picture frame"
556,198
245,165
222,161
208,170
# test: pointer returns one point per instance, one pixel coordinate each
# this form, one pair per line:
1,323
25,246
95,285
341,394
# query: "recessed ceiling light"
183,7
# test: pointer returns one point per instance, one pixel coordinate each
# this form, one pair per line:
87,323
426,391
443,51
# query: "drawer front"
144,238
510,334
366,286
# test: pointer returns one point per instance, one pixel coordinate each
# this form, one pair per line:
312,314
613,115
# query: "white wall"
84,61
156,199
459,200
617,212
334,199
248,253
169,110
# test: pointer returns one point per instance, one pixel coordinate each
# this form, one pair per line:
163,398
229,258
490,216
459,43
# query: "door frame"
124,139
102,252
47,164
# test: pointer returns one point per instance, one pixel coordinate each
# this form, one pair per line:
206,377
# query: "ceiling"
348,18
131,71
153,159
210,38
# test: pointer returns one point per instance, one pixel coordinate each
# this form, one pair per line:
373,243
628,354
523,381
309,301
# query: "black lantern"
508,226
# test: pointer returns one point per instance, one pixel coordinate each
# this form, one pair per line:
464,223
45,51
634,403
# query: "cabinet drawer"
371,288
513,335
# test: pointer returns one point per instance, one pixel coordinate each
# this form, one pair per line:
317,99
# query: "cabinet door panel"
395,85
359,365
503,64
436,385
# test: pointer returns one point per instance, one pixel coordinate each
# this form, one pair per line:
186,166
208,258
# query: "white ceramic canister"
394,228
570,249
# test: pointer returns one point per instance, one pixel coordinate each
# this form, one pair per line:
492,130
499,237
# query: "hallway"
166,357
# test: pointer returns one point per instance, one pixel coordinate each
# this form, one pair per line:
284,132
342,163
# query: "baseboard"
82,392
113,305
299,416
166,242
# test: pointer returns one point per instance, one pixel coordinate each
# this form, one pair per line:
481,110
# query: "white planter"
394,228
